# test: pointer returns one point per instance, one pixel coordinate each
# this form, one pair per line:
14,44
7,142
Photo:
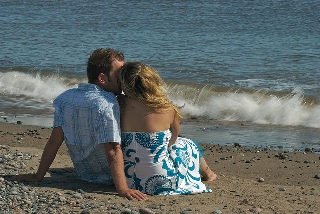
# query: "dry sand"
250,180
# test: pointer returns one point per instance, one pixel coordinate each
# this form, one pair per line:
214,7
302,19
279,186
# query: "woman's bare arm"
175,128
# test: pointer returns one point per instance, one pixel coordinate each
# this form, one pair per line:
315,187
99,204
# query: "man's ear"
102,78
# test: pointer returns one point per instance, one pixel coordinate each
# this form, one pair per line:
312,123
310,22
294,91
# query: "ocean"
248,70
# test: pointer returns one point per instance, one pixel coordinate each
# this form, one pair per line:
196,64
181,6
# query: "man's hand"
115,160
132,194
48,155
31,177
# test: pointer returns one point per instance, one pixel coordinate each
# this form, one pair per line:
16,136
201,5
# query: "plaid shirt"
89,117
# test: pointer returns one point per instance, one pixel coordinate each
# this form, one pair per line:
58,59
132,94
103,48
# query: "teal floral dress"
153,168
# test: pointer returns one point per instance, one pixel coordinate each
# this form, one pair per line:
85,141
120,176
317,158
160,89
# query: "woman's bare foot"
206,173
211,176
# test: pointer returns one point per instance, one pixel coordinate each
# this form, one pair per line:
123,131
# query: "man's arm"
48,155
116,165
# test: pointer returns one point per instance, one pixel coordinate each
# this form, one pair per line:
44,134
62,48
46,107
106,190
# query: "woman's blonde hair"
146,85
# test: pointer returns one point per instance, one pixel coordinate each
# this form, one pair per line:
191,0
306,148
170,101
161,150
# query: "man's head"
103,69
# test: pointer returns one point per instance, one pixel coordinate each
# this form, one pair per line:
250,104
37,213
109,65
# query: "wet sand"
250,180
275,137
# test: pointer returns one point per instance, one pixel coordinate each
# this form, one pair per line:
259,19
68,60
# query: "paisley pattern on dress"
156,184
155,169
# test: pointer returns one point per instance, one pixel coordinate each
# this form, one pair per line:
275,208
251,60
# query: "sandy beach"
250,181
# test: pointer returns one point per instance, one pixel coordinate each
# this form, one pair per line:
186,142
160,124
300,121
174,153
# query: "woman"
157,161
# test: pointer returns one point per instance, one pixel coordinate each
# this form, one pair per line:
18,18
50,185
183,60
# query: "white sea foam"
251,107
32,86
34,93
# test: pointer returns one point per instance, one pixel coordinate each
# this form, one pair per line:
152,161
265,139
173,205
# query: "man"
87,118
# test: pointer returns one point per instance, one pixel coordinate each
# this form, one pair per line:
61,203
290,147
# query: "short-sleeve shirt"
89,117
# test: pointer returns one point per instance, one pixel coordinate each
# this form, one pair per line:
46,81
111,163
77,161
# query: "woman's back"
137,117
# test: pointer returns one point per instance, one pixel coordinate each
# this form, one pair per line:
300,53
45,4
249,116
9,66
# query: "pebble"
85,212
317,176
255,210
308,150
145,211
282,156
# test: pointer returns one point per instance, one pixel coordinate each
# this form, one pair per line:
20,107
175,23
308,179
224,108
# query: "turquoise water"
237,61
